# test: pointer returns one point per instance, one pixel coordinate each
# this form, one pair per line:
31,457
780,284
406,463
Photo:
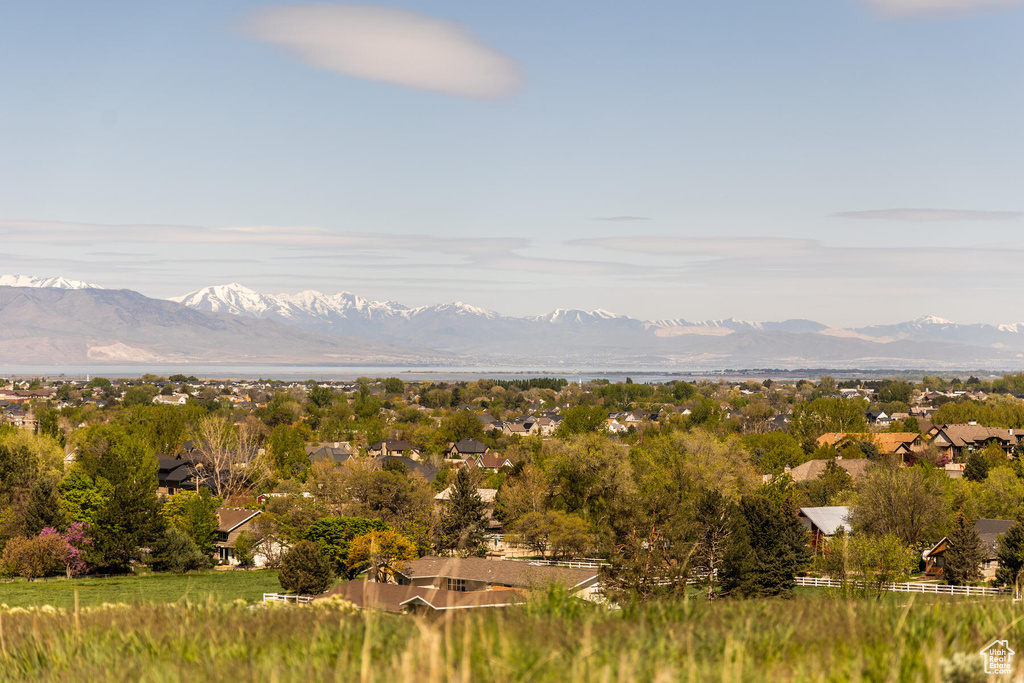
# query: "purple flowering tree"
70,553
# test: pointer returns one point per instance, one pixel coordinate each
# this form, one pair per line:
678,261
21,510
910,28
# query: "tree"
460,425
906,501
814,418
175,551
714,531
976,468
81,496
288,453
1010,554
824,490
381,553
245,549
964,553
321,397
33,557
334,536
194,513
463,522
305,570
228,457
880,560
394,385
582,419
43,509
768,547
70,551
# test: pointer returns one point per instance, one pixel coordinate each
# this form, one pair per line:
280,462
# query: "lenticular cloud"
388,45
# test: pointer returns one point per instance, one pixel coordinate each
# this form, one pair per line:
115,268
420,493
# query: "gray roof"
828,519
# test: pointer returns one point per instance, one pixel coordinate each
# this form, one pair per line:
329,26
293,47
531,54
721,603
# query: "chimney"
972,423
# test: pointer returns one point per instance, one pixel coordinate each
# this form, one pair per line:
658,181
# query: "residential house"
386,448
489,461
174,474
989,530
466,448
230,523
428,472
877,418
812,469
390,597
824,522
909,445
336,452
957,441
171,400
478,574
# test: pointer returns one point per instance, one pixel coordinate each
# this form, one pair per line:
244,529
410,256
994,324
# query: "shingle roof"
394,598
502,572
230,519
468,445
812,469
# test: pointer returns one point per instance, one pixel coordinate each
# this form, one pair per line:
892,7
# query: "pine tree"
769,546
976,468
463,522
1011,554
964,554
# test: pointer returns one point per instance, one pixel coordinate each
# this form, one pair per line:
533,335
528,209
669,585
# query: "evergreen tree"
43,508
305,570
964,553
175,551
769,546
463,522
976,468
194,513
1011,554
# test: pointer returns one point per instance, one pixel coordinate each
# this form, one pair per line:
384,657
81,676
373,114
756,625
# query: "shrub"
175,551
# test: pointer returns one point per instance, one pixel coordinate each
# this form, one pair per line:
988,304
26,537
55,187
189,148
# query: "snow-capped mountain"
51,282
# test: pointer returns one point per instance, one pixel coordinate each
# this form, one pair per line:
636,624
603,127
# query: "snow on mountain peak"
933,320
51,282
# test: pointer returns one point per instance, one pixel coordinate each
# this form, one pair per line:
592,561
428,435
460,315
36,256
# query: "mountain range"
56,319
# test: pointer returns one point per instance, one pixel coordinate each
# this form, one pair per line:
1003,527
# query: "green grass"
221,586
899,638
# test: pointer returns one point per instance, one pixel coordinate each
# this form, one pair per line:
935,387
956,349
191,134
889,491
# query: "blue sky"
848,161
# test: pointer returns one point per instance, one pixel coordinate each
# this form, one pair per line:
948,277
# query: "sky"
853,162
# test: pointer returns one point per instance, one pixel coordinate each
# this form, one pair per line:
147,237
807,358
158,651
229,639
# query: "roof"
392,597
989,530
486,495
887,442
428,472
501,572
962,434
492,461
828,519
230,519
812,469
469,445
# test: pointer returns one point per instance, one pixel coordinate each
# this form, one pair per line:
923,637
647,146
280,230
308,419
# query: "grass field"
899,638
224,586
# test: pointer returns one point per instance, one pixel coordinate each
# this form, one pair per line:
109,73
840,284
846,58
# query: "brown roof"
812,469
960,434
887,442
392,597
492,461
499,572
230,519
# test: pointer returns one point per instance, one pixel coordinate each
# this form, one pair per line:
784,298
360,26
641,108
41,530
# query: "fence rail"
908,587
283,597
586,563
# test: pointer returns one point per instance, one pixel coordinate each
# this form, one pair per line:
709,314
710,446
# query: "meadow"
808,638
221,586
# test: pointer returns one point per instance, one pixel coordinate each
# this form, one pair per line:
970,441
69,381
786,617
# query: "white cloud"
931,215
388,45
904,8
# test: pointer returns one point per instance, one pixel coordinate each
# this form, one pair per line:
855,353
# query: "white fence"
909,587
283,597
585,563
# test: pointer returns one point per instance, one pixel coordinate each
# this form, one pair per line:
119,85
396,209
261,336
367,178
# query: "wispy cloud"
908,8
622,219
931,215
388,45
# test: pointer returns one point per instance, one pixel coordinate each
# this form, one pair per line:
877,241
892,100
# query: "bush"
175,551
305,570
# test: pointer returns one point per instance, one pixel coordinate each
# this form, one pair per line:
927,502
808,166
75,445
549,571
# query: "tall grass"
553,639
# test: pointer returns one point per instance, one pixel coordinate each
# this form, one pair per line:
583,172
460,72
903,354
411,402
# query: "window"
457,585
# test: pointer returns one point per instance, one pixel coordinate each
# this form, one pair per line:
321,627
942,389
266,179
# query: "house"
877,418
515,428
468,574
957,441
390,597
174,474
466,448
336,452
812,469
428,472
909,445
385,448
172,400
989,530
230,523
824,522
489,461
